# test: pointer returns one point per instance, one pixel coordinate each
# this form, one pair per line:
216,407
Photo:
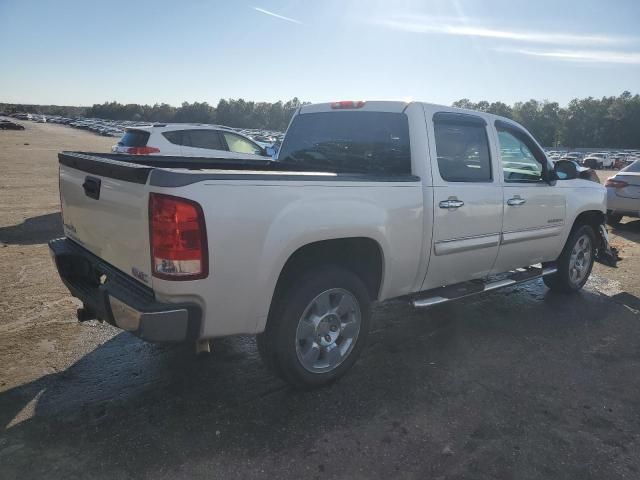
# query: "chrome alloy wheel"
580,260
327,330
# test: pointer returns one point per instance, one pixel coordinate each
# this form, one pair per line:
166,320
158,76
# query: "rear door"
467,199
534,210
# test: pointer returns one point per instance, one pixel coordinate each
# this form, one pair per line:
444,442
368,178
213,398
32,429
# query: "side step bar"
466,289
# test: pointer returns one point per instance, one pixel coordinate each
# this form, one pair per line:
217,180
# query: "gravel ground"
518,384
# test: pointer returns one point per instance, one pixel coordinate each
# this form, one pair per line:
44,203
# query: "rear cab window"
375,143
134,138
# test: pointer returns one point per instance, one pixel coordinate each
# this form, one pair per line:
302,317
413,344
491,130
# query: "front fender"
587,197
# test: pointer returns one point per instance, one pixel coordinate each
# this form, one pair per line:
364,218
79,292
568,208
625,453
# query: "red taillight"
142,150
178,238
612,182
347,104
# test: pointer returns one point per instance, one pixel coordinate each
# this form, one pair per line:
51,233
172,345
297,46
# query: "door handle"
515,201
451,204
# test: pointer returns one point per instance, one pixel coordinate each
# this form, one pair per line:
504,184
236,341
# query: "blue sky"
72,52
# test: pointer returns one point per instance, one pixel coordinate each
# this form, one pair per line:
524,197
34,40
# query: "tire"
575,262
324,315
613,219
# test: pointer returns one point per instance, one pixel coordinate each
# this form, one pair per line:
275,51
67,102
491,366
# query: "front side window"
518,161
237,144
208,139
463,151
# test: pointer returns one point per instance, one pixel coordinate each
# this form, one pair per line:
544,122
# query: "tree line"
230,112
607,122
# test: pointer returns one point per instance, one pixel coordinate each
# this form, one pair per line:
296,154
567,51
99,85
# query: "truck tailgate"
108,216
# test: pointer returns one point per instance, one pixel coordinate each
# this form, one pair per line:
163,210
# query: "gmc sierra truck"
367,201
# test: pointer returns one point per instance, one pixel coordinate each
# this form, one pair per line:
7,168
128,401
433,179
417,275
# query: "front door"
534,210
467,200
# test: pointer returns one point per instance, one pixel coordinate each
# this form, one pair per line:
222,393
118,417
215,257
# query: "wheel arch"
593,218
363,256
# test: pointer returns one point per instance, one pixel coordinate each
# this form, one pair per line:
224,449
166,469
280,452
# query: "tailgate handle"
91,187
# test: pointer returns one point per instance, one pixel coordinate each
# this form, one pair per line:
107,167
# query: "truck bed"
170,171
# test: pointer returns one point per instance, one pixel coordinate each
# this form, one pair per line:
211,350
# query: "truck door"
467,199
534,210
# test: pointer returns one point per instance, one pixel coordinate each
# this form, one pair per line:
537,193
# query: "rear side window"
237,144
134,138
462,148
174,137
202,139
358,142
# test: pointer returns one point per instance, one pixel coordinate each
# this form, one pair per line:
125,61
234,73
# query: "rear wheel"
317,327
575,261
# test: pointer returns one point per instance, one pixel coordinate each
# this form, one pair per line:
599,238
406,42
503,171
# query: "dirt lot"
518,384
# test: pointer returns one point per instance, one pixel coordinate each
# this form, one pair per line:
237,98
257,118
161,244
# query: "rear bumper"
629,207
110,295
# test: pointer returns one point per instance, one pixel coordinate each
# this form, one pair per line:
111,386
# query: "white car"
598,160
623,194
188,140
368,201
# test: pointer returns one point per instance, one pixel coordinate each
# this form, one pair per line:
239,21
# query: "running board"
466,289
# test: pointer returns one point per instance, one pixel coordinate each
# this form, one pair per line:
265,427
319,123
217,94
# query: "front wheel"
317,327
575,261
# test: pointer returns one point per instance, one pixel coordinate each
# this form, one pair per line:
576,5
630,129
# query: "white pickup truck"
367,201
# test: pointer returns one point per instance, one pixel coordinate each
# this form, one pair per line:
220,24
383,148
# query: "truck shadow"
34,230
139,408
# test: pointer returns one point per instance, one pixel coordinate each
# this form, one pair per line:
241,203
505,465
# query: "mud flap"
606,254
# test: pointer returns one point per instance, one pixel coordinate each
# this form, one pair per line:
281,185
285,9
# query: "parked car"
368,201
9,125
623,194
573,156
598,160
189,141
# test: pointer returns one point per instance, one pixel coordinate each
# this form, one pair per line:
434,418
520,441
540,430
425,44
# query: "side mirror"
565,170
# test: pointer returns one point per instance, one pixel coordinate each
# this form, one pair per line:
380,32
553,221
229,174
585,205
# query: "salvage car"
623,194
367,201
188,140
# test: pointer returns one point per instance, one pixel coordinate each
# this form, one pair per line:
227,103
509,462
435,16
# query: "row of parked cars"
613,160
